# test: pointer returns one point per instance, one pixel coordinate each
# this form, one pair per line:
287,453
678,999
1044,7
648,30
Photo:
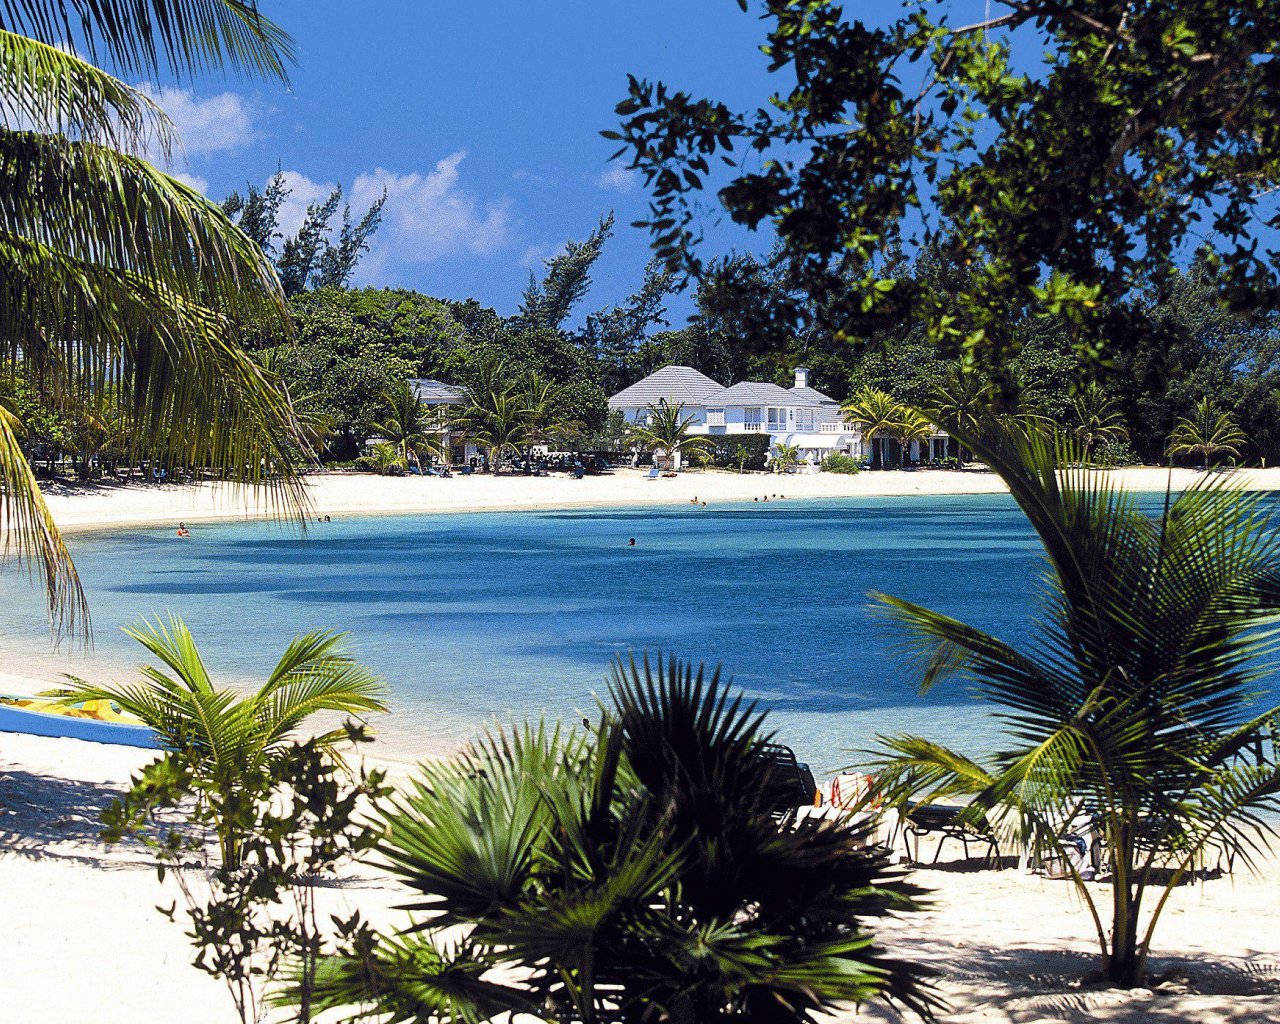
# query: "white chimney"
802,376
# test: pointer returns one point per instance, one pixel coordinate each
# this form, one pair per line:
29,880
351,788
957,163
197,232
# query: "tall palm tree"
544,402
229,735
912,427
667,430
1207,433
879,415
410,425
113,273
1136,702
1097,419
497,419
962,397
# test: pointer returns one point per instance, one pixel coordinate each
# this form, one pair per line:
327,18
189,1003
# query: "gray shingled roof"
435,392
756,393
676,385
813,394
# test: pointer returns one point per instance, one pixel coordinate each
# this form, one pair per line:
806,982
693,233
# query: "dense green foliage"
1136,704
638,871
1061,158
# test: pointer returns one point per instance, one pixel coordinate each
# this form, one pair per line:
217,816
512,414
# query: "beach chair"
653,474
944,822
791,782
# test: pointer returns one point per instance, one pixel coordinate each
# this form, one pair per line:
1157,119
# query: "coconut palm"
666,430
1097,419
1136,701
638,872
962,397
113,273
410,427
230,736
544,402
497,419
1207,433
785,456
913,427
879,416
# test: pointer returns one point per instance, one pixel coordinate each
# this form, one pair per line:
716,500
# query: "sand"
84,941
97,506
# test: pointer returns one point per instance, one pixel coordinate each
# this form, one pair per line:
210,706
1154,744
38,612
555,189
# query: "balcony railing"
753,427
837,428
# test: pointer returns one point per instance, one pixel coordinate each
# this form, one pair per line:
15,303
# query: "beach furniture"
791,782
653,474
943,822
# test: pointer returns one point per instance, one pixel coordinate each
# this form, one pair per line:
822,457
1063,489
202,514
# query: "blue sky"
481,120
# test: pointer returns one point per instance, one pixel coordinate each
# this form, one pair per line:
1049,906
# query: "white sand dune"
84,941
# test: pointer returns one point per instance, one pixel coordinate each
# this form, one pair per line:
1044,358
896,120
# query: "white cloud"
617,178
198,183
206,125
427,216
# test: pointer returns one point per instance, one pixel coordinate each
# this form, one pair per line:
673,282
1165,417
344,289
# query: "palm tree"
639,871
879,415
785,456
1206,433
1136,702
912,427
667,430
1097,419
962,397
497,419
544,402
113,273
229,736
410,424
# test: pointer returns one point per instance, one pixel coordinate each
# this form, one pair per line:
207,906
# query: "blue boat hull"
37,723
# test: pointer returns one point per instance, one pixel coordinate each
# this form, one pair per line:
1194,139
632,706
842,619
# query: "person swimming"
631,542
183,531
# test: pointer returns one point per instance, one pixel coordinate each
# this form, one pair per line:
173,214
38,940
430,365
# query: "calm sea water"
476,618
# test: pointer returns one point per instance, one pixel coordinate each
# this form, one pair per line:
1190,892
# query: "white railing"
837,428
752,427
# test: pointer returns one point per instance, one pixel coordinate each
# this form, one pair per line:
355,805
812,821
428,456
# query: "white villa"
800,415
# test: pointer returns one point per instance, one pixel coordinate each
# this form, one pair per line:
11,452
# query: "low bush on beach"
279,811
634,871
839,462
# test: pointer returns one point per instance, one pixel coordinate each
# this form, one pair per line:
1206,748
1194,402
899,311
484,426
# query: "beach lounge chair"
791,783
653,474
945,822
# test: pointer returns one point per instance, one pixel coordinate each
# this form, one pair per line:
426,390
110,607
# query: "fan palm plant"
1097,419
410,426
115,274
1136,702
880,416
666,430
1207,433
227,737
784,456
635,873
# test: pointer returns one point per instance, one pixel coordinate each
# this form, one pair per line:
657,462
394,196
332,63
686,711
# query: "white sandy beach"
97,506
85,941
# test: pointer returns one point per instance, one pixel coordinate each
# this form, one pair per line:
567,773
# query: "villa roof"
758,393
435,392
814,395
675,385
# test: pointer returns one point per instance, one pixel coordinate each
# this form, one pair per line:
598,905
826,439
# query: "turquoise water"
483,617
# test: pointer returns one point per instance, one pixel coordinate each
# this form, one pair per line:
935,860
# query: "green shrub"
740,451
1114,453
839,462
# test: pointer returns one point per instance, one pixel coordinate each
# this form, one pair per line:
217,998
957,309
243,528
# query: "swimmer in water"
183,531
631,542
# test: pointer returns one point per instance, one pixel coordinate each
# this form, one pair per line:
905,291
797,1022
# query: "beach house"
444,401
800,415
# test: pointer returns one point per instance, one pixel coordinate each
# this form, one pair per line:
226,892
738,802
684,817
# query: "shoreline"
93,507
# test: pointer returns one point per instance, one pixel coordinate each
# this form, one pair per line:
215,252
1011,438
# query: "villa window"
777,419
804,419
751,417
715,417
